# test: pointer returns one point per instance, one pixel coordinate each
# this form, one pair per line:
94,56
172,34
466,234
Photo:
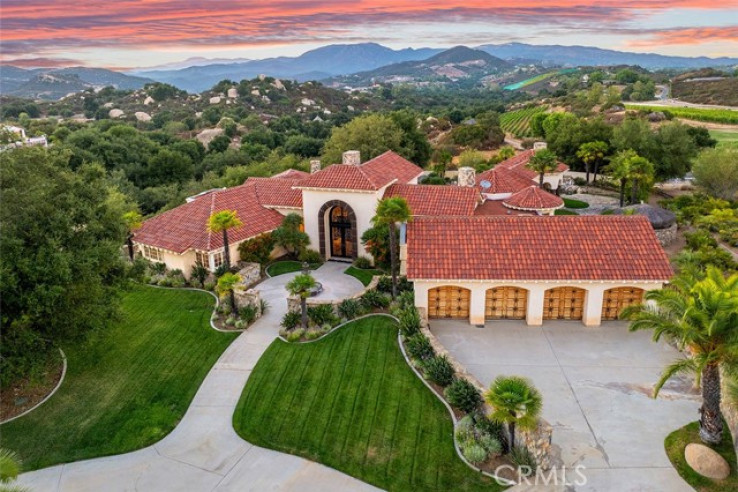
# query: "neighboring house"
484,249
15,136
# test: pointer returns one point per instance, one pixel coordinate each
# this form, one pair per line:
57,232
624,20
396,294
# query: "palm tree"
221,222
133,221
641,171
701,316
516,402
506,152
390,211
544,161
227,286
619,169
592,153
10,468
301,286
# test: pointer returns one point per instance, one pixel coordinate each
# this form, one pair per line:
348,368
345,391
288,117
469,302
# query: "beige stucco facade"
592,312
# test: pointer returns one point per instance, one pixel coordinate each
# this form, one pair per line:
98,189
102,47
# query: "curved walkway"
203,452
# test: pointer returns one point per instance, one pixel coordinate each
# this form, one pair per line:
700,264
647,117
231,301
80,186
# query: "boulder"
141,116
278,84
148,100
115,113
215,100
706,462
233,93
108,105
656,116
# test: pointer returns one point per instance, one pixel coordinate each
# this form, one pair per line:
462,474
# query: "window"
152,253
217,259
202,258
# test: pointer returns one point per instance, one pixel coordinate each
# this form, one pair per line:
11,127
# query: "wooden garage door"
617,299
448,302
505,303
563,303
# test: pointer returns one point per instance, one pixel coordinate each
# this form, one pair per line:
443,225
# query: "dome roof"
660,218
533,198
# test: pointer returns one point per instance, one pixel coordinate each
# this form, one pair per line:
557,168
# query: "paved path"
204,453
596,384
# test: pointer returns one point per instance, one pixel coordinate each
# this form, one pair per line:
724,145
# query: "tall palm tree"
390,211
506,152
701,316
133,221
620,170
221,222
592,153
227,286
544,161
516,402
301,286
641,171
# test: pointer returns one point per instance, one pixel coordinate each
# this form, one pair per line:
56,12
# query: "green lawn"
678,440
572,203
351,402
128,386
562,211
726,138
288,266
364,276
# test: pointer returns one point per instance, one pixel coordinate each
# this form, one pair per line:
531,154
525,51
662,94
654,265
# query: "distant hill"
321,63
589,56
450,65
56,83
706,86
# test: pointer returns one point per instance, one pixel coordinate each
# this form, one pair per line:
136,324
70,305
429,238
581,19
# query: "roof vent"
352,157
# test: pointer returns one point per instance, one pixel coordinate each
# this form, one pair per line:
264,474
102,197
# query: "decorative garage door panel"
617,299
448,302
563,303
505,303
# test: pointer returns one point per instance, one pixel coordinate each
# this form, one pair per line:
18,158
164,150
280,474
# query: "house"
488,248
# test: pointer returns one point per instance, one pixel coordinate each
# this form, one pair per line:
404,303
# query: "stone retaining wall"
248,297
537,441
293,302
667,236
250,273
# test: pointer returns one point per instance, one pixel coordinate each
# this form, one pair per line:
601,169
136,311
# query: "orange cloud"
691,35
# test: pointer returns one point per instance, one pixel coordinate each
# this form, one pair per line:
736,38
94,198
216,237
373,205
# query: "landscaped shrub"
137,270
311,256
176,272
322,314
409,321
263,305
491,444
474,452
158,268
177,281
248,314
439,370
419,347
385,284
314,333
374,299
295,335
463,395
230,321
405,299
210,286
349,309
220,271
363,262
165,282
240,324
290,320
493,428
256,250
521,457
699,239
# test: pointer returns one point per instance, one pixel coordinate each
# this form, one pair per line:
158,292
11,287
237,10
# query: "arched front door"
338,233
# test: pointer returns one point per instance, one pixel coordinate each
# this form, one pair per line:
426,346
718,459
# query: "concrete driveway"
596,384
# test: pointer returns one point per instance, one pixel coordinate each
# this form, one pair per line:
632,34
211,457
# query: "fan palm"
301,286
10,468
133,221
544,161
227,286
221,222
390,211
641,171
592,153
516,402
701,316
620,170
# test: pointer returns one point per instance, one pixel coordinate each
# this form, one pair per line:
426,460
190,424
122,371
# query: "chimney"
314,165
467,176
352,157
539,145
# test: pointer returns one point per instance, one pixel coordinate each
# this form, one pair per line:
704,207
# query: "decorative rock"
215,100
116,113
232,93
706,462
148,100
141,116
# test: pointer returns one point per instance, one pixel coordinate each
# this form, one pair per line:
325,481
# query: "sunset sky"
141,33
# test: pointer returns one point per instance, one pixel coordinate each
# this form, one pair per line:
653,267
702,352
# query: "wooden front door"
448,302
563,303
505,303
619,298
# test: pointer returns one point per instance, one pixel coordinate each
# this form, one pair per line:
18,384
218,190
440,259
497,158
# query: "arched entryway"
563,303
338,234
449,301
616,299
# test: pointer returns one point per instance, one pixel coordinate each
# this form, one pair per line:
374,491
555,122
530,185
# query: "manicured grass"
351,402
562,211
364,276
678,440
288,266
571,203
126,387
726,138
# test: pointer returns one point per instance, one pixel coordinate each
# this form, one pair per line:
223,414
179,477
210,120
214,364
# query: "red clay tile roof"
495,207
519,163
436,200
280,192
535,248
370,176
533,198
185,227
502,180
292,174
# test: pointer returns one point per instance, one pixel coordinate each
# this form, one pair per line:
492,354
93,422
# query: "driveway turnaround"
596,384
203,452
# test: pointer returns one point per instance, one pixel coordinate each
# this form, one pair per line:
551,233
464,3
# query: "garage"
617,299
505,303
448,301
563,303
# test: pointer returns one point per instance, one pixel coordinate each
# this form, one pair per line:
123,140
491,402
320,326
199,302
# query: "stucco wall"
536,291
